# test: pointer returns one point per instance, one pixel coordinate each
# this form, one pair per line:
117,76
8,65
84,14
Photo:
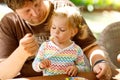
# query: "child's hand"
72,70
45,63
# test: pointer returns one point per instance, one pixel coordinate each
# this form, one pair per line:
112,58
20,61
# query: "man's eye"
28,10
36,5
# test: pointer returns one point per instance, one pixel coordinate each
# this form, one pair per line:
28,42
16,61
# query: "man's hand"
28,45
103,71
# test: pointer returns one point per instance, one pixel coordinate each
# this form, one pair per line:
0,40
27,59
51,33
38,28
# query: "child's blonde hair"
74,18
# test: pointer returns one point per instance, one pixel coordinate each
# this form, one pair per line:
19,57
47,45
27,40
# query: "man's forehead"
31,2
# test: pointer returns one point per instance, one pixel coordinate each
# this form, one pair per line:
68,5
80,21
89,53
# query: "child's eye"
53,27
62,30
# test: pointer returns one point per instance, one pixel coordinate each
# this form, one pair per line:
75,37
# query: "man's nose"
34,12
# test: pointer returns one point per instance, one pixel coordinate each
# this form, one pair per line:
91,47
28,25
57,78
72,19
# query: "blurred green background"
91,5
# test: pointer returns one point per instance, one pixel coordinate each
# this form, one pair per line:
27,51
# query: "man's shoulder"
11,16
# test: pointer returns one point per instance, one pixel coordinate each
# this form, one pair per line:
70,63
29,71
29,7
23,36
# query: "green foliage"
98,3
82,2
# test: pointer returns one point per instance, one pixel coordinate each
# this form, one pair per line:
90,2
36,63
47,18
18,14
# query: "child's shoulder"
76,45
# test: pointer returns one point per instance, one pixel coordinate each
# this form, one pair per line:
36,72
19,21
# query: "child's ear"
74,32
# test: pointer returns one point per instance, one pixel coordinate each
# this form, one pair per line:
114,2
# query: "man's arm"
94,53
11,66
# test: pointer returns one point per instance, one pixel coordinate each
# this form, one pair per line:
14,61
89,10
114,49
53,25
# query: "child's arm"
39,57
80,63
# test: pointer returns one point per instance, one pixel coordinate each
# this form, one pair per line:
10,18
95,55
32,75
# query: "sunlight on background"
99,20
3,10
95,4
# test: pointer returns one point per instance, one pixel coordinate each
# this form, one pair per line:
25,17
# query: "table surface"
88,75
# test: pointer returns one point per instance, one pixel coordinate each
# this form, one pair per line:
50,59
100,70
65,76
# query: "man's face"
33,12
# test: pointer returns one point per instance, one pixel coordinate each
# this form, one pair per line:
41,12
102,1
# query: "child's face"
60,31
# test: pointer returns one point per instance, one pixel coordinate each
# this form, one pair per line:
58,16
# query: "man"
17,47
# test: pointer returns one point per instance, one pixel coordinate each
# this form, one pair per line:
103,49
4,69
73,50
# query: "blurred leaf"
98,3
